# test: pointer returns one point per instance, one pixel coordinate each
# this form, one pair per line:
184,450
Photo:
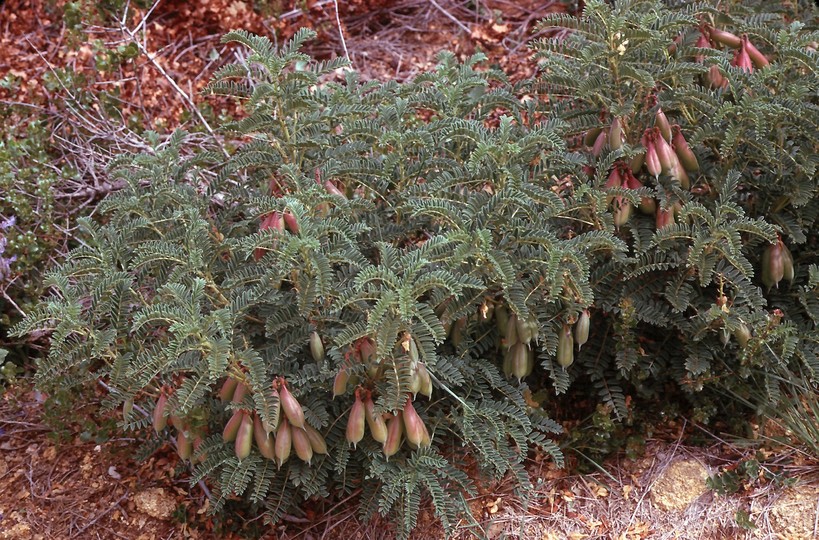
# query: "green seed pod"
228,389
184,445
507,362
522,330
787,264
426,380
616,136
395,430
724,336
317,442
316,347
264,441
244,437
291,407
534,326
415,382
284,442
621,209
160,420
501,318
591,136
413,351
742,334
648,206
520,360
232,426
511,332
565,347
340,383
530,362
355,423
376,423
581,329
637,162
302,446
127,408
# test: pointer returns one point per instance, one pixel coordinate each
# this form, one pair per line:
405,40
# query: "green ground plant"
385,275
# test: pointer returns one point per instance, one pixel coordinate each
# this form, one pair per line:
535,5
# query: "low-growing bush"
383,273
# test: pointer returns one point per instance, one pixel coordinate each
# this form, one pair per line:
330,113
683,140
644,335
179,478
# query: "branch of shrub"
145,413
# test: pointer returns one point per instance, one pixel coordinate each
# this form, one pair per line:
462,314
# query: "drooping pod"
565,347
184,445
291,407
591,136
787,264
501,319
316,440
340,382
284,442
724,336
742,334
652,161
316,347
511,332
264,440
661,122
160,421
520,361
702,43
228,389
715,78
724,37
239,393
683,151
244,437
426,380
741,58
376,423
356,421
291,223
621,209
232,426
301,444
616,136
127,408
581,329
414,426
773,265
395,431
759,59
600,143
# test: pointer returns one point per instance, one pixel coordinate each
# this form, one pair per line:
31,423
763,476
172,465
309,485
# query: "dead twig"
100,515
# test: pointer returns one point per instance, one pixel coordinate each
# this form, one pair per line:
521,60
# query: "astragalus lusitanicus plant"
384,276
700,126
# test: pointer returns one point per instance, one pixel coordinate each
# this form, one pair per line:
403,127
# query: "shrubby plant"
384,272
708,154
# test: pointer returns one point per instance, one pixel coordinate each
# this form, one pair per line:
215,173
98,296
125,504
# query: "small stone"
680,484
155,503
793,515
